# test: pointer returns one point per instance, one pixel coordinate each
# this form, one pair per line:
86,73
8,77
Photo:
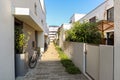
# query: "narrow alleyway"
50,68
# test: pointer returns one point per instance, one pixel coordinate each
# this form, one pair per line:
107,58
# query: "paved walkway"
50,68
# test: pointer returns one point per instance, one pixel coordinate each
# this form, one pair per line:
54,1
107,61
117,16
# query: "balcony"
31,12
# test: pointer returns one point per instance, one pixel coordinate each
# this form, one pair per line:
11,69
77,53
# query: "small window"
70,21
35,8
34,44
93,19
42,21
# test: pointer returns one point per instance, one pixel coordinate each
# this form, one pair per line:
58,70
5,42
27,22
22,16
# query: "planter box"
21,65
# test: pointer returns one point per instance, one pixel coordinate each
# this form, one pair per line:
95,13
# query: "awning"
105,25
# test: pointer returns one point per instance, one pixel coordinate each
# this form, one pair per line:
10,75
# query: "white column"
117,40
41,41
7,70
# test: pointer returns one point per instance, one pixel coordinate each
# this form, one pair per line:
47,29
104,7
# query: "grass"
67,63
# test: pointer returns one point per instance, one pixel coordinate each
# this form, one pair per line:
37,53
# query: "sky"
60,11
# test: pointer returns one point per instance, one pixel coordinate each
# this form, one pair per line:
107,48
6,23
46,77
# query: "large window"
110,14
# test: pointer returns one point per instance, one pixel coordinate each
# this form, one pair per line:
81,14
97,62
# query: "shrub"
85,32
67,63
73,70
19,40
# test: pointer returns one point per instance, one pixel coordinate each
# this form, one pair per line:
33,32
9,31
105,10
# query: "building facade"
61,33
104,16
76,17
53,32
100,12
30,18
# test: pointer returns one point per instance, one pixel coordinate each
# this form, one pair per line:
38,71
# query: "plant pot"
21,66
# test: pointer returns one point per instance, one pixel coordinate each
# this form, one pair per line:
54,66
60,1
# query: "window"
42,21
110,38
35,8
70,21
110,14
93,19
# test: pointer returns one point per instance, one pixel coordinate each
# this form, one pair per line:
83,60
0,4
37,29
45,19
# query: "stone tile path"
50,68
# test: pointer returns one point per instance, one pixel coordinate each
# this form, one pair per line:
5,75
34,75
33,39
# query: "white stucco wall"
41,41
7,71
43,5
99,12
117,41
98,62
76,17
75,51
106,62
66,26
61,37
38,15
30,37
62,30
41,15
92,61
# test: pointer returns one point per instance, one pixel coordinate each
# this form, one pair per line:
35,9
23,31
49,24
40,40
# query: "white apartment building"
52,32
100,12
76,17
30,17
104,15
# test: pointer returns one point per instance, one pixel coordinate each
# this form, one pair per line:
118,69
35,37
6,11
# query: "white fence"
106,62
92,61
75,52
97,63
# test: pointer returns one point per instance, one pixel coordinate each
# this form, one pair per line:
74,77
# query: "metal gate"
92,61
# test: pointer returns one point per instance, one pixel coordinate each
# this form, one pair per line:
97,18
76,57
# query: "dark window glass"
35,8
93,19
110,14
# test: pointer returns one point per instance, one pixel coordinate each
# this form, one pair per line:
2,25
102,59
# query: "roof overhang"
24,14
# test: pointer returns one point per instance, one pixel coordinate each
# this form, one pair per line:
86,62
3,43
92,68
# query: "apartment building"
30,18
104,15
52,32
76,17
102,12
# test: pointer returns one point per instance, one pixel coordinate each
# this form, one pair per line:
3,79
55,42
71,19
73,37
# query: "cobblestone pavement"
50,68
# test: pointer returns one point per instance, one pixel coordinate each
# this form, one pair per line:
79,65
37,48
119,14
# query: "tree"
84,32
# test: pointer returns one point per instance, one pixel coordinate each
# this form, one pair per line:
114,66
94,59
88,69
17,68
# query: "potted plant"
20,56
